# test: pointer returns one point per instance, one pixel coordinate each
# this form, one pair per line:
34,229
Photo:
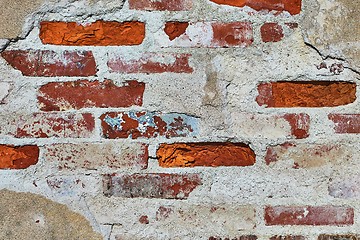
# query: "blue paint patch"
114,123
146,120
181,124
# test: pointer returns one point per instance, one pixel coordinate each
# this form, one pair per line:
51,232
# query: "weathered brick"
206,34
161,5
57,96
94,156
151,63
271,32
346,123
147,125
46,125
307,155
18,157
345,188
338,237
99,33
309,215
287,237
205,154
306,94
292,6
271,126
161,185
47,63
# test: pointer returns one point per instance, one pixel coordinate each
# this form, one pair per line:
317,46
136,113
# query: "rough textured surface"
197,72
306,94
205,154
83,94
50,63
307,215
292,6
92,156
99,33
169,186
18,157
29,216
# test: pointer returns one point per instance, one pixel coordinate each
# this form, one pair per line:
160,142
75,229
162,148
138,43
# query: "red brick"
299,123
57,96
287,237
271,32
161,5
339,237
161,185
99,33
211,34
205,154
307,155
46,63
309,215
144,219
346,123
151,63
175,29
292,6
45,125
94,156
147,125
306,94
20,157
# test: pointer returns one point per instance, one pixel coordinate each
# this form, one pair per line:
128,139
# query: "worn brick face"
161,5
213,34
338,237
147,125
47,63
205,154
99,33
161,185
18,157
94,156
46,125
287,237
346,123
309,215
306,94
151,63
292,6
271,32
57,96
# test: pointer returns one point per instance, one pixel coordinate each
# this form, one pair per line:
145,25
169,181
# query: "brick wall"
211,119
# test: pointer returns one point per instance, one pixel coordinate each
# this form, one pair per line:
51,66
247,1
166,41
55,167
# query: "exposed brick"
338,237
346,123
175,29
46,63
205,154
161,185
45,125
20,157
57,96
287,237
93,156
244,237
306,94
307,155
345,188
147,125
309,215
271,126
292,6
151,63
210,34
99,33
161,5
271,32
144,219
